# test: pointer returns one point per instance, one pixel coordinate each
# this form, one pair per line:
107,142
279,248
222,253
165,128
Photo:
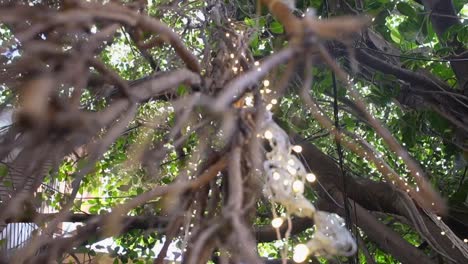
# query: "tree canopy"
268,131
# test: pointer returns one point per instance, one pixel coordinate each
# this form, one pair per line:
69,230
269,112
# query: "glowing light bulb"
292,170
249,101
301,252
232,55
266,83
276,176
227,35
267,91
269,107
298,186
442,233
310,177
256,63
274,101
465,240
277,222
268,134
297,149
291,162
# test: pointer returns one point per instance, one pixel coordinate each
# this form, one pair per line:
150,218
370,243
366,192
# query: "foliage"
121,174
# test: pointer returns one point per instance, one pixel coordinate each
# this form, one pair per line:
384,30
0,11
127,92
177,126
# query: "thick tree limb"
443,17
268,233
387,239
379,196
447,104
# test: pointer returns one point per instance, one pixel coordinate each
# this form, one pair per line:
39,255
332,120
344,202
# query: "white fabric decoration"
285,177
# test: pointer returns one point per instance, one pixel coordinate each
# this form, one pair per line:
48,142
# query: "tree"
230,127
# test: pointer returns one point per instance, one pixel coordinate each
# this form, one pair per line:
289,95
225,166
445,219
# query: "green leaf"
374,6
276,27
406,9
409,29
462,35
249,22
3,170
408,129
181,90
458,198
437,122
7,183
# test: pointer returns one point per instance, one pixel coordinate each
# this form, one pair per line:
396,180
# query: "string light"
298,186
301,252
442,233
292,170
249,101
276,176
268,134
277,222
266,83
331,236
232,55
465,240
297,149
274,101
310,177
269,107
257,63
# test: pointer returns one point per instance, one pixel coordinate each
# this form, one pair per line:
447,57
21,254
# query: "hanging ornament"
284,184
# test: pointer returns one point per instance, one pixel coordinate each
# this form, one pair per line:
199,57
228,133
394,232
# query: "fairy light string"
285,174
285,178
